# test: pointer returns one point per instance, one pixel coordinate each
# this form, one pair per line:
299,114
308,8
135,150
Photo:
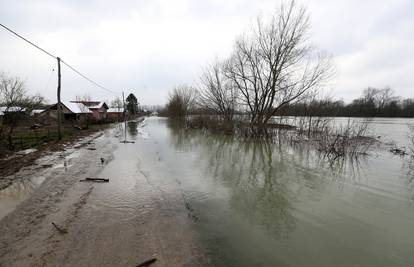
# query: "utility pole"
123,102
59,105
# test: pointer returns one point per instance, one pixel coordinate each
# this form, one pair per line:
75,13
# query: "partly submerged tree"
218,95
181,101
275,65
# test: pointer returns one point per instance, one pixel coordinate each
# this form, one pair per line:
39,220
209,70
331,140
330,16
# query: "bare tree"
181,101
218,95
117,103
275,65
16,101
385,96
83,98
370,94
380,98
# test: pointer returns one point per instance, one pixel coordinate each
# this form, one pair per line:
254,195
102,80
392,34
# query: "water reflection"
408,168
281,197
132,127
20,190
265,176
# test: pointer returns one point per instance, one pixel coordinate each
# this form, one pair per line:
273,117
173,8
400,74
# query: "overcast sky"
149,46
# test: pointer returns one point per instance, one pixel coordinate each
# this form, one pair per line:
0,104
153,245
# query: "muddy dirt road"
131,219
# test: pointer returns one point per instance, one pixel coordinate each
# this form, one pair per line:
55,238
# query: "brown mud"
96,232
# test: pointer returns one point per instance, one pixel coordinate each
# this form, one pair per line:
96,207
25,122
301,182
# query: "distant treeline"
373,103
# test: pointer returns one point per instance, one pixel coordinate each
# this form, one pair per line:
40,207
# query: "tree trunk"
10,140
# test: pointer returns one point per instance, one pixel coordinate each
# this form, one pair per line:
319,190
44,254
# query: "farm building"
70,111
98,108
12,112
115,114
5,110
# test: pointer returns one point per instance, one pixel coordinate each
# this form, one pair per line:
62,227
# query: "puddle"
19,191
31,177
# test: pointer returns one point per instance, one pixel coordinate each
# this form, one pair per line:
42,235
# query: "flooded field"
268,204
245,203
393,131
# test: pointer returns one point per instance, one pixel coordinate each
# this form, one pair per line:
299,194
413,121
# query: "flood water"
262,203
393,131
17,192
268,204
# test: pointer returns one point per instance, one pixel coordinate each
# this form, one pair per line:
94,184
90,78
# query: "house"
5,110
36,112
115,114
98,108
12,112
70,111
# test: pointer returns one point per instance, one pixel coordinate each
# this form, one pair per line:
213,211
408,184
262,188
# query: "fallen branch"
190,211
399,151
47,165
127,142
147,263
99,180
61,230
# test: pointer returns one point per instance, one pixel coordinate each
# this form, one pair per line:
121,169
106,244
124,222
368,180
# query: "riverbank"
121,223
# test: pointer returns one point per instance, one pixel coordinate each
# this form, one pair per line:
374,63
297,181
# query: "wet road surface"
133,218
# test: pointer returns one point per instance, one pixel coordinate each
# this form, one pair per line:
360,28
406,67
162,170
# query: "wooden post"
59,106
123,102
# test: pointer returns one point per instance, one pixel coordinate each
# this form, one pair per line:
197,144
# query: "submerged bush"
181,101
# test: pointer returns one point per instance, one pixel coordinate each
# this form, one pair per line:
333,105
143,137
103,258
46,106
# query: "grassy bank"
43,140
26,138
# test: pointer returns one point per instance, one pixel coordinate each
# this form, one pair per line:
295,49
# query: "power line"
51,55
88,79
24,39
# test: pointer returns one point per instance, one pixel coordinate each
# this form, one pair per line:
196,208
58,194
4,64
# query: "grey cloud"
150,46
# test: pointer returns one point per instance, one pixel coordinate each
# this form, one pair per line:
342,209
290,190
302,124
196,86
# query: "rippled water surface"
262,203
269,204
